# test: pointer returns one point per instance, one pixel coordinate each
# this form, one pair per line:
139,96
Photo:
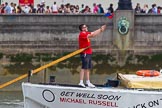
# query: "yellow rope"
43,67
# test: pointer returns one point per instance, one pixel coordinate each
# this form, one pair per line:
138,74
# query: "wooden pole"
43,67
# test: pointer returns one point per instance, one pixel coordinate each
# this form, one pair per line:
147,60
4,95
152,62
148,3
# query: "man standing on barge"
84,41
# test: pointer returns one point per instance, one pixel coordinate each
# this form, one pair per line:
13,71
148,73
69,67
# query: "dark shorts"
86,61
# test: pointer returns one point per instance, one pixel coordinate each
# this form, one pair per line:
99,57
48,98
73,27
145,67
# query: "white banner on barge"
51,96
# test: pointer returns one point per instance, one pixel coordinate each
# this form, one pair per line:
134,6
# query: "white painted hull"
51,96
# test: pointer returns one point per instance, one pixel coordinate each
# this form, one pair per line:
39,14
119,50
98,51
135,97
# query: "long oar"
43,67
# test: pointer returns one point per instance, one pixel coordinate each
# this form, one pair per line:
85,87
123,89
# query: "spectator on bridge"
15,6
77,9
2,8
138,8
38,8
67,8
54,8
84,41
100,9
7,9
18,9
110,12
145,9
86,10
159,9
95,8
47,10
72,9
110,9
154,9
61,9
82,8
12,7
42,8
26,9
32,9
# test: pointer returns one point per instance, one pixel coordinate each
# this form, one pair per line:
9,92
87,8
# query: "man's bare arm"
97,32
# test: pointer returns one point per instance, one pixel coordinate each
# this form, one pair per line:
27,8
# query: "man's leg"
82,74
82,77
87,72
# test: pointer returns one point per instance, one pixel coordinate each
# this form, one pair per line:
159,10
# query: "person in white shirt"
12,7
26,9
54,8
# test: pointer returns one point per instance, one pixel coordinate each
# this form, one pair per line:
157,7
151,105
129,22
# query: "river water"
11,100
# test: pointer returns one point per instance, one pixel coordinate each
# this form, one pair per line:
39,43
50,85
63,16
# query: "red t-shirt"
84,42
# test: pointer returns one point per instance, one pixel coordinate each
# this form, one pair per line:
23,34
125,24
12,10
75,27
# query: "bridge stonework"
59,33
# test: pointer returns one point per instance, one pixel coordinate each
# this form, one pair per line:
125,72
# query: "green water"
11,100
102,64
68,70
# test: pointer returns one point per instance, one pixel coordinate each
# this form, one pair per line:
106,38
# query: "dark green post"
124,5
